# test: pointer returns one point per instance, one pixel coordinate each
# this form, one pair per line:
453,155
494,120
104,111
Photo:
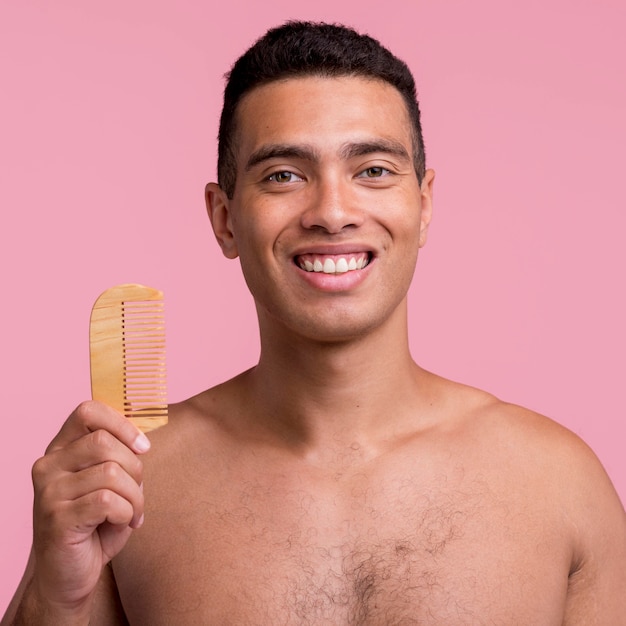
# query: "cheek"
263,232
403,226
247,233
258,244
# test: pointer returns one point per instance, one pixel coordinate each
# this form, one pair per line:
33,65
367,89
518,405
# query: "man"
336,482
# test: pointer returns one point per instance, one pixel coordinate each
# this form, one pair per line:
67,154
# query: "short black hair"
298,49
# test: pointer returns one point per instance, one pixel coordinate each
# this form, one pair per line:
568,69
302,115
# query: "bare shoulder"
194,437
549,449
557,467
541,448
579,484
530,440
199,417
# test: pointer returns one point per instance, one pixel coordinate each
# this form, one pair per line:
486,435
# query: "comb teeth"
143,339
127,346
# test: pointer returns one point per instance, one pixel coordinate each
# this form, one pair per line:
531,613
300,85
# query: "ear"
217,205
426,189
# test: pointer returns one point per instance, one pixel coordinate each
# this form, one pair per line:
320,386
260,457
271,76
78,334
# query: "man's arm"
597,585
11,615
88,498
106,610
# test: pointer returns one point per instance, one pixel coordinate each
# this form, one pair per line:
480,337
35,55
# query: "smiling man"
336,482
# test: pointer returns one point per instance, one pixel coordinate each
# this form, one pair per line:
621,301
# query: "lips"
333,263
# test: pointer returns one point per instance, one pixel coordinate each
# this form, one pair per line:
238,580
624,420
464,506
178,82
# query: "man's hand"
88,498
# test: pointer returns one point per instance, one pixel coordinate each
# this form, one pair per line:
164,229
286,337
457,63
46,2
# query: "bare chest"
372,554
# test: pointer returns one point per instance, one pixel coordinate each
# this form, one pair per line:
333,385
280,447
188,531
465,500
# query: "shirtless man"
336,482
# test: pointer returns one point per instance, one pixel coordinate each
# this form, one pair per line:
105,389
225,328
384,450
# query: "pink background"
108,117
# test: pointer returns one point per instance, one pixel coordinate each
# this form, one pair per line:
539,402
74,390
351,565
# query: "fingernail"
140,522
142,443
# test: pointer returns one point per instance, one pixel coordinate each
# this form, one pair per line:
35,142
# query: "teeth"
329,266
341,266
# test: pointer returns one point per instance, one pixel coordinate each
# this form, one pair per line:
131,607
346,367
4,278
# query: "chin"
335,328
335,320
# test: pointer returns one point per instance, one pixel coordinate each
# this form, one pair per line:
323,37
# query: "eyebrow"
363,148
281,151
309,153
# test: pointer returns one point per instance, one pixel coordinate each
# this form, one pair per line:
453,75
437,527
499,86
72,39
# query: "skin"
336,482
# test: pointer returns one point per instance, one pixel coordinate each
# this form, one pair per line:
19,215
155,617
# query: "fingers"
92,416
94,508
83,499
88,498
91,473
92,449
105,505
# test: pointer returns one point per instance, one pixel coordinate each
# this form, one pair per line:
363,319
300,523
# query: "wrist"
37,609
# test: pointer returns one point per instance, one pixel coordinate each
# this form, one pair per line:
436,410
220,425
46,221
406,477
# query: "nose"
332,207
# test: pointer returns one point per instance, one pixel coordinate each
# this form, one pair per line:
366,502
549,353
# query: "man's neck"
321,395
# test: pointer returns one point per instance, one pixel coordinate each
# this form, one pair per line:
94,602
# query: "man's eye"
284,177
374,172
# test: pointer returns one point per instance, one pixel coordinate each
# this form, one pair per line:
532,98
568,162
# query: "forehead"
325,112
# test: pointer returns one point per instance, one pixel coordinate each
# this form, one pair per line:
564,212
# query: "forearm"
33,610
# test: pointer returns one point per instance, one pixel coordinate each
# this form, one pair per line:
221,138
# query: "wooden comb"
127,354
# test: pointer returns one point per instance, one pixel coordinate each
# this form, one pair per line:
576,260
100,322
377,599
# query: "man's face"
327,215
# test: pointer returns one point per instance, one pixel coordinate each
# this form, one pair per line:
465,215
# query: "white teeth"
329,266
341,266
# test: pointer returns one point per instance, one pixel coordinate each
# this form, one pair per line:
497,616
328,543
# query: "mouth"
333,263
